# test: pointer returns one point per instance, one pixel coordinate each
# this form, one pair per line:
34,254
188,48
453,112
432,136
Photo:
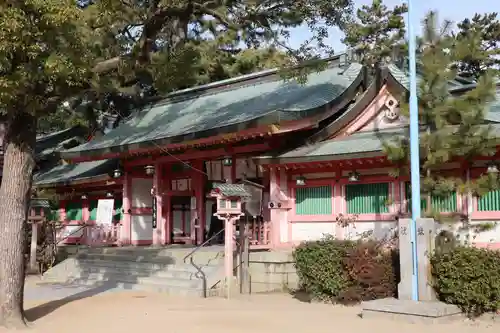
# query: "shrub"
373,272
345,271
320,267
469,278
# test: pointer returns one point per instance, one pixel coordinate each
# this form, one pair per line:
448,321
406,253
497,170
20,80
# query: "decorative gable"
382,113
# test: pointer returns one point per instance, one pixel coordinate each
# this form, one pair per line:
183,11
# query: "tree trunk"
15,191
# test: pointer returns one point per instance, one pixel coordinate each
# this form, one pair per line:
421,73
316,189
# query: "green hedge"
469,278
346,271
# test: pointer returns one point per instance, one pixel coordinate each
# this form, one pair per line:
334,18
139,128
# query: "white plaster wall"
374,229
489,236
142,228
310,231
141,192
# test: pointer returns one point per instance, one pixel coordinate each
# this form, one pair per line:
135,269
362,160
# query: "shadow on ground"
301,296
69,291
45,309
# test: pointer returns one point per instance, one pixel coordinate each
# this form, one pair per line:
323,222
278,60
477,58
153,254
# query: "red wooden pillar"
167,206
158,234
86,232
126,227
274,190
198,183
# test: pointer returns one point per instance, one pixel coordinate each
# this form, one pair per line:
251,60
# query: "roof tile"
278,100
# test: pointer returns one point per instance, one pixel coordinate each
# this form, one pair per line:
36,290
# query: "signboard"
253,205
105,209
154,213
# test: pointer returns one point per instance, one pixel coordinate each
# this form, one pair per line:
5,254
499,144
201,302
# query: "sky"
454,10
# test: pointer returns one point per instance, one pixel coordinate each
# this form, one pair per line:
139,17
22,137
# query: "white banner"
105,211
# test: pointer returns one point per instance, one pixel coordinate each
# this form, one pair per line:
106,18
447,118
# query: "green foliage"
469,278
454,124
346,272
479,38
320,267
46,54
377,33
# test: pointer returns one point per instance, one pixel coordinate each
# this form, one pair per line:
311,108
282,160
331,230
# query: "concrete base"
411,311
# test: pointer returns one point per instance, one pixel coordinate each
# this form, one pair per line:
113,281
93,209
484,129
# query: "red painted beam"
239,136
221,139
196,155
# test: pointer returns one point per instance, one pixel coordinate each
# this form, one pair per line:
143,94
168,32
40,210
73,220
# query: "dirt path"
137,312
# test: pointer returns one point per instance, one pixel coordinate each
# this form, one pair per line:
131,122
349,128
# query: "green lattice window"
53,215
118,210
74,211
93,210
438,203
367,198
313,200
423,201
489,202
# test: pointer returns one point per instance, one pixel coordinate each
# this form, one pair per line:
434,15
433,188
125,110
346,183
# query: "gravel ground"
63,309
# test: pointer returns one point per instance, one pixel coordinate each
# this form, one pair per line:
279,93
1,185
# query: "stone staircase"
146,269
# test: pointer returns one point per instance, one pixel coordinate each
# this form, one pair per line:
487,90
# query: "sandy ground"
138,312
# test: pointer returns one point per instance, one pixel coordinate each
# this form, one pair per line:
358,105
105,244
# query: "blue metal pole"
414,149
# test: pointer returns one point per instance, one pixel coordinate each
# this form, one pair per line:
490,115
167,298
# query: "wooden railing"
259,232
102,235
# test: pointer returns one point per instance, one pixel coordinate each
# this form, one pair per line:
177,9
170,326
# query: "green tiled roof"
403,78
362,142
358,143
39,203
232,190
226,110
65,174
493,114
48,144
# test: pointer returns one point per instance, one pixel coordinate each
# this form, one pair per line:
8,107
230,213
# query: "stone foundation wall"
272,271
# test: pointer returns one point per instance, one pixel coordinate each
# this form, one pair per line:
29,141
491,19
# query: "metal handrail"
71,234
196,249
198,268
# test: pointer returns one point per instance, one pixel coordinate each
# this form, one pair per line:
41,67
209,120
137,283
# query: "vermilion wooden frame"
481,215
339,205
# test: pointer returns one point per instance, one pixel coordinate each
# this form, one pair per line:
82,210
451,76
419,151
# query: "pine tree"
377,34
453,127
480,38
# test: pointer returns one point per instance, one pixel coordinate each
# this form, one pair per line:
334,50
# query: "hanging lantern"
300,181
228,161
117,173
353,176
150,170
492,169
109,195
84,196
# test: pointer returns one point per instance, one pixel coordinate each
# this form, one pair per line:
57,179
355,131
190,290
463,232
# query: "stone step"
138,258
172,272
154,288
135,279
204,253
130,265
